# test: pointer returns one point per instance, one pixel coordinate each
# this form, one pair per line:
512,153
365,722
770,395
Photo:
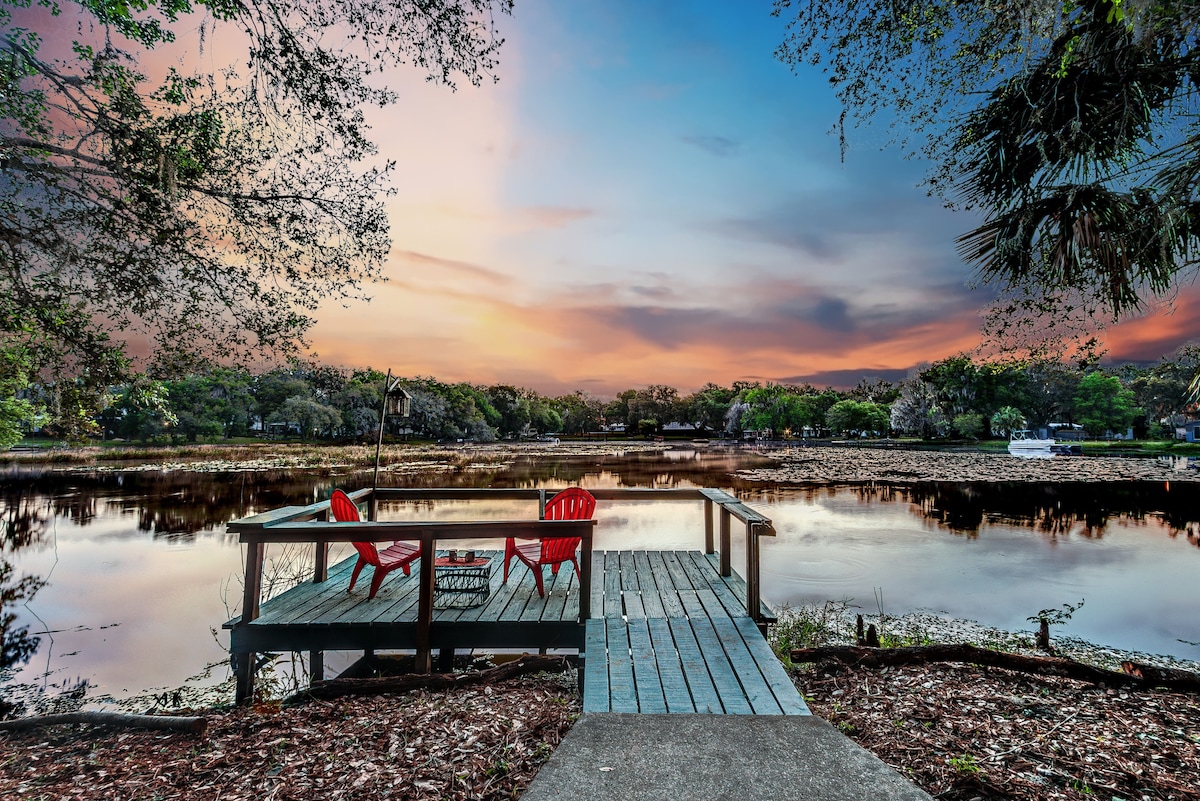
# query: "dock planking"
669,634
684,666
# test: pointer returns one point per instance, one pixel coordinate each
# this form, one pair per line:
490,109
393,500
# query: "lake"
140,573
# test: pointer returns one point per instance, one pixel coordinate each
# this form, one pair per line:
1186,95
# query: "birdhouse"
399,402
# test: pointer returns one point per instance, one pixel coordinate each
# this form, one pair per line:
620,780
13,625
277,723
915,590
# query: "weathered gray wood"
726,567
595,668
587,545
368,531
645,670
652,603
424,655
700,569
753,586
629,576
679,576
631,594
758,693
666,595
724,676
621,686
786,695
670,669
597,584
557,592
523,594
455,493
707,588
695,670
737,586
613,606
305,593
709,544
691,603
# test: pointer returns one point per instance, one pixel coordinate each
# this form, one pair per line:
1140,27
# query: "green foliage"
862,417
706,408
808,626
1055,617
1102,404
17,415
968,426
965,763
313,419
1069,125
208,212
1006,420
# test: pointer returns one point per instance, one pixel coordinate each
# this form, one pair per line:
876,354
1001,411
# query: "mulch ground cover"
966,732
470,743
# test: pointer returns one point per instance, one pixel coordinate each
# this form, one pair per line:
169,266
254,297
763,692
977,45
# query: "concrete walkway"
631,757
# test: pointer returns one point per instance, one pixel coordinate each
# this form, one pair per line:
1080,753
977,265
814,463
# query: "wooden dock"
656,631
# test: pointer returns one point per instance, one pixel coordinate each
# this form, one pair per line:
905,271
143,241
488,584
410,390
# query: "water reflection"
139,562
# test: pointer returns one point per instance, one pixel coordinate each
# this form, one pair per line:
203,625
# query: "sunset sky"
649,196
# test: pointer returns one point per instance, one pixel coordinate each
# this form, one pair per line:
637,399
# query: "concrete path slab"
630,757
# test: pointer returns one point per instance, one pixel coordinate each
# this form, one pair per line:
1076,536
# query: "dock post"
321,557
752,577
250,602
424,657
709,546
585,576
726,567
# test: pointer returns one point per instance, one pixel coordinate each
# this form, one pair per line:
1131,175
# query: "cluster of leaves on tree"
316,402
959,396
1069,124
202,208
955,397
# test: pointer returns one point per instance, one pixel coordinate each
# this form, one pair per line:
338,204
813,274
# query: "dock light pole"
396,403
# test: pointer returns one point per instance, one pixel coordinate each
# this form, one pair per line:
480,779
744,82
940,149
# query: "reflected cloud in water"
140,569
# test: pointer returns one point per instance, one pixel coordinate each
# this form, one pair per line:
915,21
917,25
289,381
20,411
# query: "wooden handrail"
291,524
366,531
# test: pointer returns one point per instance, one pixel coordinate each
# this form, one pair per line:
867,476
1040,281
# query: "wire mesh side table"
460,584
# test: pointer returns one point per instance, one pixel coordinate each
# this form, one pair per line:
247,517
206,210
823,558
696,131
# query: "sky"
647,196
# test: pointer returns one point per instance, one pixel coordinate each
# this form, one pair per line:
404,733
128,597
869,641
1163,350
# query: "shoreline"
800,465
834,624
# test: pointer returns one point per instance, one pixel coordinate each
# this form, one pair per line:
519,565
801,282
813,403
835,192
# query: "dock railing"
312,524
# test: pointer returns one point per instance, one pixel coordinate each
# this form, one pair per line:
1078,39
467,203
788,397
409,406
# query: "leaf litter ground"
467,743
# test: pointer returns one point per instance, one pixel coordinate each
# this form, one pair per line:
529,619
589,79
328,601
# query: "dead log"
118,719
1171,678
1150,678
337,688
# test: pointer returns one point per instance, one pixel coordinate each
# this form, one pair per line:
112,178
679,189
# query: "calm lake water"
140,573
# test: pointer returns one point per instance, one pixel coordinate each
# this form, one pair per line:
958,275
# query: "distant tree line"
958,397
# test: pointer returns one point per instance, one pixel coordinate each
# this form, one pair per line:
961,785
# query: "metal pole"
387,383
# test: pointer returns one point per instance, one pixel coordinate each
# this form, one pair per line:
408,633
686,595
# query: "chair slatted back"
572,503
345,511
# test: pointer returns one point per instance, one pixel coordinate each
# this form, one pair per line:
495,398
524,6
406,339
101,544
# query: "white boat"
1024,440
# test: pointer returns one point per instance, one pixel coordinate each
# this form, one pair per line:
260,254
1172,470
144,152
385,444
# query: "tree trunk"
157,722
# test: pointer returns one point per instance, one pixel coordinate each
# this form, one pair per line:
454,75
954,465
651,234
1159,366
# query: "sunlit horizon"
649,197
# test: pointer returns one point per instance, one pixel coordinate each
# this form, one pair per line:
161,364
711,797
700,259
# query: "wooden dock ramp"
669,634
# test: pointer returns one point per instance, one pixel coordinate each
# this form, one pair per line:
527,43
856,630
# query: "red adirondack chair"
572,503
397,555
